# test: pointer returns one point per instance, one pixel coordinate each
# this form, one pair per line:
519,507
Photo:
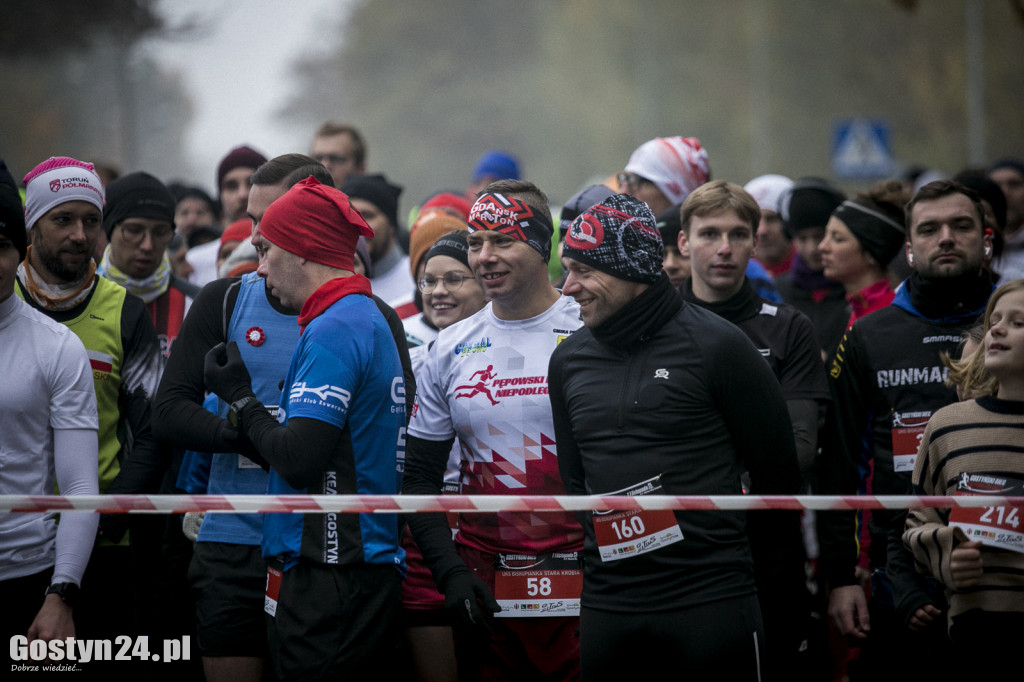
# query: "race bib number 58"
528,586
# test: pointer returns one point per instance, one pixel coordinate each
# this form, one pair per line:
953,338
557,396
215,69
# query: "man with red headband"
485,381
333,584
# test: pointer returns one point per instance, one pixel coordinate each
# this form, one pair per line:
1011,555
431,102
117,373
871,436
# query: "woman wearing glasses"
450,292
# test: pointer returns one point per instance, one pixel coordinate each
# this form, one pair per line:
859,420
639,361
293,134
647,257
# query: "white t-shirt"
485,382
48,386
416,328
396,288
203,259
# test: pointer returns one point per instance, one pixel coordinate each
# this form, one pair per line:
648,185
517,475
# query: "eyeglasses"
133,233
632,180
331,159
452,281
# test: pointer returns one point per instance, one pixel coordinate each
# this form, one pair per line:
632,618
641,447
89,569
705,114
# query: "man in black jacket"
719,234
887,380
697,405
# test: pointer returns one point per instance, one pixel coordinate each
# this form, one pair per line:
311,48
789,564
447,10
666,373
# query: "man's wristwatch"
237,407
68,592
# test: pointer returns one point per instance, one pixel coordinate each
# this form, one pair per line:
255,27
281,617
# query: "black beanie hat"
580,202
454,245
1015,164
378,191
5,176
137,195
808,203
988,190
12,219
880,235
12,212
670,224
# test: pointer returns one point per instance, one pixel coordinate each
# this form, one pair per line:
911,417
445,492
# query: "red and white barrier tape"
405,504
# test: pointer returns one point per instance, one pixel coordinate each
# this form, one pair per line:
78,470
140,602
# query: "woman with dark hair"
861,238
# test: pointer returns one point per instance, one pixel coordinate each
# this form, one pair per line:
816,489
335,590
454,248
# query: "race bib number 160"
626,534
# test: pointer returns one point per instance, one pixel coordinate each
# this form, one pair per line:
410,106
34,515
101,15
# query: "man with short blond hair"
720,222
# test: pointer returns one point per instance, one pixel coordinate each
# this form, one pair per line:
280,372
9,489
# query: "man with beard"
884,394
64,212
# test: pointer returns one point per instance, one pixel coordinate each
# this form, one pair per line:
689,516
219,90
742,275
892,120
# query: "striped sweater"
973,447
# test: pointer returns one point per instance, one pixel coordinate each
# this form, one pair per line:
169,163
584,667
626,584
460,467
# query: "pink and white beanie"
58,180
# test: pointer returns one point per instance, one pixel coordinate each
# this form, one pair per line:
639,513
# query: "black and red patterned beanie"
618,236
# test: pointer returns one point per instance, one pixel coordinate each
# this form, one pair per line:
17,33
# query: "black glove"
113,527
227,436
225,374
464,593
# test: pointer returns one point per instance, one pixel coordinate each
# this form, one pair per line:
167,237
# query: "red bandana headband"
316,222
512,217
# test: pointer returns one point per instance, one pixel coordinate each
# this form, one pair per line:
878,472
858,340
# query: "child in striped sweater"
976,447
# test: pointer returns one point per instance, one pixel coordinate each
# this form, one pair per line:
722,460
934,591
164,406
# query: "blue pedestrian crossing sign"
861,149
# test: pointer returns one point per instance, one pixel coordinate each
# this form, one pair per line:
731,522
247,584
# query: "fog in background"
236,70
571,87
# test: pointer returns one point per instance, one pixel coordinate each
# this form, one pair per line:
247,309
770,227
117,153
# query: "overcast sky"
238,71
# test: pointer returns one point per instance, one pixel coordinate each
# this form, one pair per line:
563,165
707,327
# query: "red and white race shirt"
485,382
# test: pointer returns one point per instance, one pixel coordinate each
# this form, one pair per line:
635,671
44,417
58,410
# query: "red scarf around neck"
330,293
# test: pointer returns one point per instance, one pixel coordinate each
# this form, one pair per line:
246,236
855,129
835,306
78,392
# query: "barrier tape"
410,504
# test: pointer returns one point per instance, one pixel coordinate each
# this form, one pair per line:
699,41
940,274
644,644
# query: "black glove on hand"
225,373
113,527
227,435
463,595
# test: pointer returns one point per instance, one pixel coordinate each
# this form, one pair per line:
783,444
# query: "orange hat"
427,229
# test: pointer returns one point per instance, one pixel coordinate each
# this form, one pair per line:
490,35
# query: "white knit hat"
767,190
